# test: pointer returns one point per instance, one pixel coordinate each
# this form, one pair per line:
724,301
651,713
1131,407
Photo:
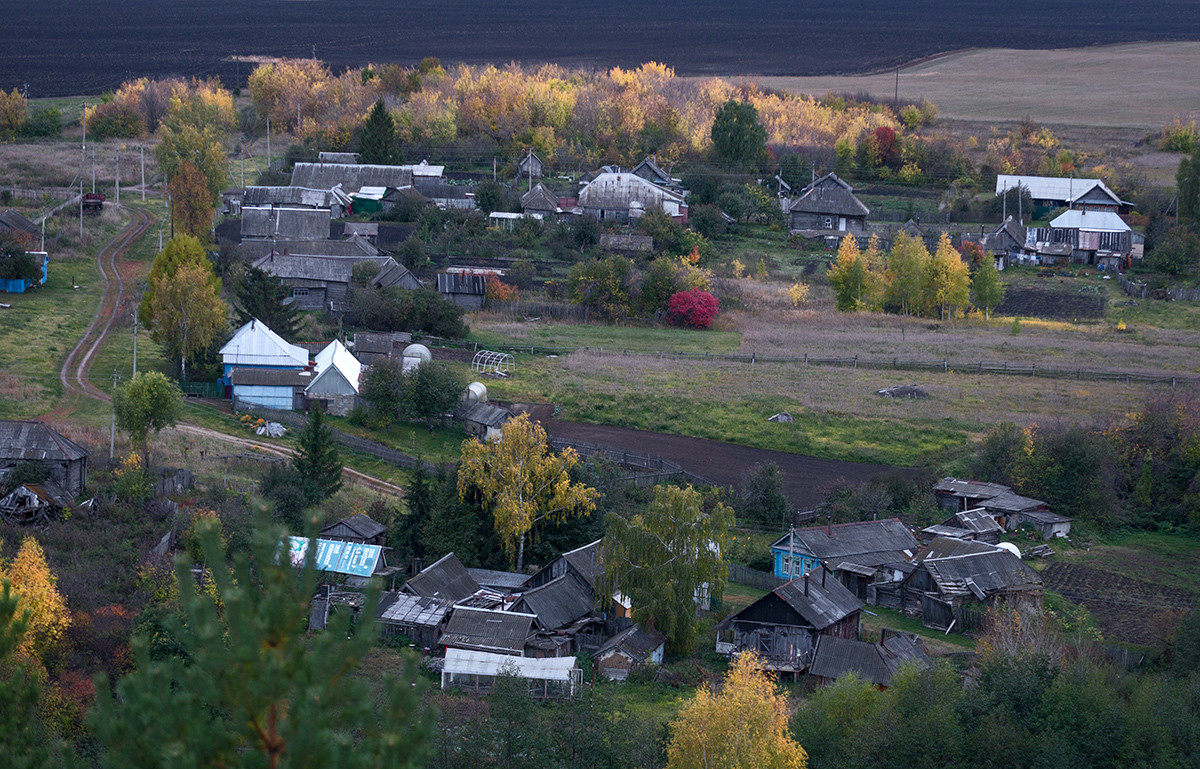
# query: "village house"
530,166
278,389
556,604
956,580
875,662
358,528
323,282
852,552
254,346
828,204
978,525
420,618
466,287
1006,244
27,441
444,578
351,246
335,384
333,200
487,630
1009,509
350,178
649,170
623,196
1050,192
629,650
1098,238
540,200
276,224
783,626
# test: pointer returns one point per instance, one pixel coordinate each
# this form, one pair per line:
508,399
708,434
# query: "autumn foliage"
693,308
37,590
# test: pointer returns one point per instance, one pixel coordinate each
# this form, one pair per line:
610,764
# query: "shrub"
115,120
694,308
44,123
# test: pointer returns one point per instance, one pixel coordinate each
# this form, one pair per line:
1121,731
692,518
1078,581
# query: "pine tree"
378,144
253,688
261,296
318,464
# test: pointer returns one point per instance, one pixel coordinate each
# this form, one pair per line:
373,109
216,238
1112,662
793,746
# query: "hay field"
1138,85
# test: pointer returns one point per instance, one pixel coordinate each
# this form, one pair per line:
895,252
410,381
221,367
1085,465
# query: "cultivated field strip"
944,365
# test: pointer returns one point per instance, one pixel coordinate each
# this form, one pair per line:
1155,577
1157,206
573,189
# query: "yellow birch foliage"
523,482
187,311
12,112
876,282
36,587
743,726
948,281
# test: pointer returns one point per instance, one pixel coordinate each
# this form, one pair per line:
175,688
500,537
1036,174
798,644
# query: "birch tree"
743,726
848,276
667,558
986,288
525,482
907,264
187,311
46,615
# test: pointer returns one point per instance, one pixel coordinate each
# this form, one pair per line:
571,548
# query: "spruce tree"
254,687
378,144
261,296
318,464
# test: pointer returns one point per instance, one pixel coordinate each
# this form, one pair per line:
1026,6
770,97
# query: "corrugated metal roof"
825,604
350,158
978,520
557,603
267,222
1090,221
331,269
256,345
945,547
504,580
336,360
869,543
463,662
358,525
485,414
1062,189
402,609
26,441
487,630
291,196
354,245
352,177
876,662
1044,516
444,578
615,190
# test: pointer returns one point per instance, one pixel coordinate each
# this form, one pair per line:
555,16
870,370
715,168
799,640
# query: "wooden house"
852,552
465,288
783,626
487,630
444,578
323,282
1050,192
1099,238
420,618
335,382
358,528
351,245
628,650
333,200
828,204
978,525
623,196
371,346
530,166
956,579
585,564
279,389
276,224
875,662
351,177
540,200
557,603
1008,508
254,345
1006,244
27,441
649,170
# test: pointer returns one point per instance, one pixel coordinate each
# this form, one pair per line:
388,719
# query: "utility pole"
93,171
118,177
896,98
135,327
112,430
83,147
1020,207
791,552
80,214
143,149
160,237
242,158
268,143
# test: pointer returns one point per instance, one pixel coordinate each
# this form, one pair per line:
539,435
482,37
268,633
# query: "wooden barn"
530,166
487,630
828,204
421,619
358,528
955,580
628,650
444,578
875,662
783,626
66,461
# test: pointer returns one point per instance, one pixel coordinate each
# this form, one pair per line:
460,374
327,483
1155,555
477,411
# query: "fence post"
752,356
945,366
1033,369
805,359
855,361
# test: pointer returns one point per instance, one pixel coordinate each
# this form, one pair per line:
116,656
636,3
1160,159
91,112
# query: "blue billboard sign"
339,557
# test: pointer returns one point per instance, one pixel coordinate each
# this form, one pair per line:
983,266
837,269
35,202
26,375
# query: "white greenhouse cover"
462,662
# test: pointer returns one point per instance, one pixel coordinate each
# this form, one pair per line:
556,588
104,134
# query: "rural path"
77,365
806,480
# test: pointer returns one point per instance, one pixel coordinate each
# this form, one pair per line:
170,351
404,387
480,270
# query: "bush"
399,309
115,120
694,308
44,123
707,221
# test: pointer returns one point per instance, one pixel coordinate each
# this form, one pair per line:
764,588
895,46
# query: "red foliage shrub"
885,140
694,308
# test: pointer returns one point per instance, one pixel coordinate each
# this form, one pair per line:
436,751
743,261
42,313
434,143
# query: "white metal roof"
334,359
425,169
371,193
1091,221
256,345
1049,187
460,661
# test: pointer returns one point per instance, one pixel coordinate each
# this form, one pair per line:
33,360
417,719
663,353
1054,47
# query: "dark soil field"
807,480
62,47
1124,608
1052,302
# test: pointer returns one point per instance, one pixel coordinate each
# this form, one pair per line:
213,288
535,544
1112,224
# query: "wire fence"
944,365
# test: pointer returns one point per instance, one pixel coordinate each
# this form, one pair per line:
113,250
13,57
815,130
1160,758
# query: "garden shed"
27,441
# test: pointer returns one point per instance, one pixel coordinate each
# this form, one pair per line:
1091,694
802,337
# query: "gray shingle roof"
356,525
485,414
34,441
331,269
353,246
444,578
868,543
981,573
503,580
876,662
266,222
557,603
352,177
830,195
945,547
634,642
12,220
487,630
270,377
824,605
588,561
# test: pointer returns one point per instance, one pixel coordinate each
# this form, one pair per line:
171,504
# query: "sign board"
338,557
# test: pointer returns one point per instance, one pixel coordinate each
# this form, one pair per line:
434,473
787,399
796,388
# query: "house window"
299,292
828,223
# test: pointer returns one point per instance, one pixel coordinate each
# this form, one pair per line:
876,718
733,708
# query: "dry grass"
58,164
1145,85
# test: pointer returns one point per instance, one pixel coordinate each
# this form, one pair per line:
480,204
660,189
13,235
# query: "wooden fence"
1142,291
652,467
744,575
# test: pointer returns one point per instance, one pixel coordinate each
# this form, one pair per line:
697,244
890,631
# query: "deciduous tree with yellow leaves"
947,280
37,590
742,726
848,276
524,482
